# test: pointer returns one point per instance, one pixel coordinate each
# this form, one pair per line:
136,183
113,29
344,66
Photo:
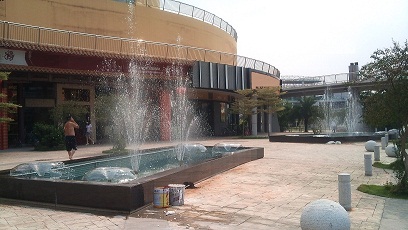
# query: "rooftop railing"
191,11
10,31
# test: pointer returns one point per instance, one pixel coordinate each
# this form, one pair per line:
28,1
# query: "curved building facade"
61,50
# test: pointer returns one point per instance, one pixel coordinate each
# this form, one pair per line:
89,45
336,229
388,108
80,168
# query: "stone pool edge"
126,197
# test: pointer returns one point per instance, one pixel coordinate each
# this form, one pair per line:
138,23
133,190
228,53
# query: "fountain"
145,108
40,169
342,121
110,174
342,112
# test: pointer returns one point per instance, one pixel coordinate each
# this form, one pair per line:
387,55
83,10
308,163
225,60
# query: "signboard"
12,57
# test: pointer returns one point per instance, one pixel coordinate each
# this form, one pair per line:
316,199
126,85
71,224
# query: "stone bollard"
383,145
345,190
386,139
377,153
324,214
368,164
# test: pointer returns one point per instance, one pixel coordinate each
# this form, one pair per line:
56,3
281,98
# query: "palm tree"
309,111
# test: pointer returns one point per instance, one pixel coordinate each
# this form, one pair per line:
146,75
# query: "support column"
254,122
3,126
165,115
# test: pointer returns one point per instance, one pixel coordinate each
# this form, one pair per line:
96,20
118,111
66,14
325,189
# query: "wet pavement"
269,193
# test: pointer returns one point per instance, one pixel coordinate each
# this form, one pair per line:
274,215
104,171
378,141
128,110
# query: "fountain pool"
121,197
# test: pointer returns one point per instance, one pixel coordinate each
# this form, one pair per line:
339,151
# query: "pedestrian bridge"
297,86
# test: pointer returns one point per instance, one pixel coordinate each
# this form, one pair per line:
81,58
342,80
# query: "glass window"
76,94
39,90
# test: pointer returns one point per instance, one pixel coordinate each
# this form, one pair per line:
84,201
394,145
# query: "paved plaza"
269,193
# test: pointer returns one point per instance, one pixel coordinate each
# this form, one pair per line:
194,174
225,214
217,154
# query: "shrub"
48,137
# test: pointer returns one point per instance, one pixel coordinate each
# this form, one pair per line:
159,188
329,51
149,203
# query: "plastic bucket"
176,194
161,197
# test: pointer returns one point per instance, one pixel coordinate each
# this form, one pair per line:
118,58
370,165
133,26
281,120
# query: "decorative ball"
369,145
324,214
390,150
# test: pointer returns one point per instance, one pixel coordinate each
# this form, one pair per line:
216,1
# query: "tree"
387,103
269,99
287,117
309,111
5,107
245,105
61,112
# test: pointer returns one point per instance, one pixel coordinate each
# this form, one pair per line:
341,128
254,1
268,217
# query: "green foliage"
103,108
305,111
309,112
386,104
104,105
4,75
245,105
285,118
119,142
61,112
388,190
270,99
399,172
4,106
382,166
49,137
253,101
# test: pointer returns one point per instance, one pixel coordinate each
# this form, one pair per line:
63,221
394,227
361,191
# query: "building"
59,50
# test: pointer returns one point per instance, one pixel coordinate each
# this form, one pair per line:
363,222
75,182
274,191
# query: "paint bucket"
161,197
176,194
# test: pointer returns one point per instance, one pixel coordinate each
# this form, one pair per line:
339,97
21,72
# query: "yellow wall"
263,80
112,18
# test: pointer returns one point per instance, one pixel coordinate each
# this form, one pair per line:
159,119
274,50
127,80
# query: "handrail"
11,31
192,11
292,82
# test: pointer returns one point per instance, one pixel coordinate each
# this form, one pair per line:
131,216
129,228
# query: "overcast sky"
312,37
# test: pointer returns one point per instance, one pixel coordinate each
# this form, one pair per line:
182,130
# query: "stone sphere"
369,145
324,214
390,150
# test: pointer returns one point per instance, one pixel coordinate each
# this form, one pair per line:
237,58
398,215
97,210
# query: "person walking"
88,133
69,132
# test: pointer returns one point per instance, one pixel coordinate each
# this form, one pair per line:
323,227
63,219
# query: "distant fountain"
353,119
342,113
